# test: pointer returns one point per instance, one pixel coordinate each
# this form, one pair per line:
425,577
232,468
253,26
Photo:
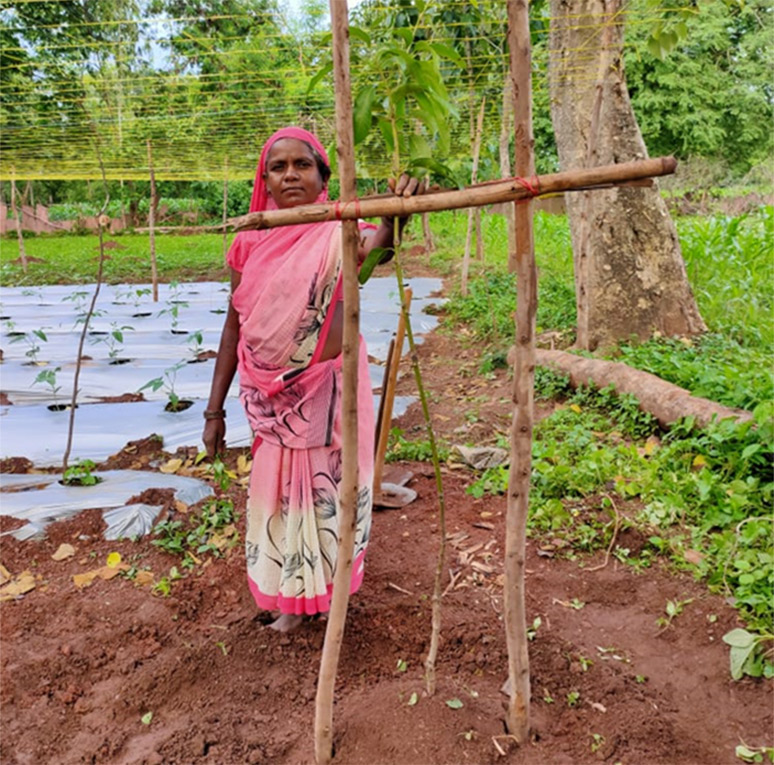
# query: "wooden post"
472,211
151,225
17,214
505,169
225,208
523,383
348,488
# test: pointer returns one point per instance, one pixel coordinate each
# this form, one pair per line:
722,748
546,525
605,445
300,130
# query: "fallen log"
665,401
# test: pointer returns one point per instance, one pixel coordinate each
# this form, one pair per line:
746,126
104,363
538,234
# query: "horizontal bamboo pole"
474,196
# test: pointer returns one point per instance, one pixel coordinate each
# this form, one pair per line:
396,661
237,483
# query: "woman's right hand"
214,437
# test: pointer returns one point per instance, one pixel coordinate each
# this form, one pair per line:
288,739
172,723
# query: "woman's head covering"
261,199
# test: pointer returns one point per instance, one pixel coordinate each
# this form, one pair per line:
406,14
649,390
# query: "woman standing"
283,333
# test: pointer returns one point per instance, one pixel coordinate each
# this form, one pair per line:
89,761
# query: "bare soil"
82,667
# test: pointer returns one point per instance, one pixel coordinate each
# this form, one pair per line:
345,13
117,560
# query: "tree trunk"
630,277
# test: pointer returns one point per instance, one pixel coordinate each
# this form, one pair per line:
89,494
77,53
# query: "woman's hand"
214,437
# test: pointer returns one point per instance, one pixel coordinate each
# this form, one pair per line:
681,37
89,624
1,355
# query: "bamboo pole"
388,393
348,488
514,615
151,225
17,214
473,210
225,207
490,192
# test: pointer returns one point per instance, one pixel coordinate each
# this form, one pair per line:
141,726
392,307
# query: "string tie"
339,209
532,185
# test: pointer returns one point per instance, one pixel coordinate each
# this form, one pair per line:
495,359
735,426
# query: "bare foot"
286,622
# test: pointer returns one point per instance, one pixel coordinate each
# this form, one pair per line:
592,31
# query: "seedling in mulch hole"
573,697
673,609
48,377
598,742
167,382
195,340
79,298
80,474
754,753
748,654
31,338
114,339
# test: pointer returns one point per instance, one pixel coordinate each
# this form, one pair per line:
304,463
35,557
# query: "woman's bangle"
214,414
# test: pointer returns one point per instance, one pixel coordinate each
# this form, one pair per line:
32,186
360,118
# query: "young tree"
630,277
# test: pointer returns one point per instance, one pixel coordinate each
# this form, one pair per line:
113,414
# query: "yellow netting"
208,119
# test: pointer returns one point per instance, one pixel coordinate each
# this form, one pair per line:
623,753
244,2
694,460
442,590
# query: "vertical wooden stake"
472,210
225,208
388,394
523,383
505,169
17,214
348,488
151,225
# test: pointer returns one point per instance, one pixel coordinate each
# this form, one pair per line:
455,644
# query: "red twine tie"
532,186
338,208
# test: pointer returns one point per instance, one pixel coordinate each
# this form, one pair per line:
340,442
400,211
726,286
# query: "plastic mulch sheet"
165,341
41,499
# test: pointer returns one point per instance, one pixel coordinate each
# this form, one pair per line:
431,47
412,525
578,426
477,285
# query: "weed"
750,654
533,630
209,531
598,741
400,448
573,698
673,609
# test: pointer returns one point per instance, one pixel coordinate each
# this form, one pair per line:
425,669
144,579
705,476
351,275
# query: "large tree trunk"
630,278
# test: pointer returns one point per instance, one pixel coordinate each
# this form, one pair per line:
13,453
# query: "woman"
283,332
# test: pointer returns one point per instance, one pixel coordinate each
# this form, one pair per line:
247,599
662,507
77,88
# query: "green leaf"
327,69
362,112
446,51
356,33
370,263
413,700
454,704
739,638
738,658
146,718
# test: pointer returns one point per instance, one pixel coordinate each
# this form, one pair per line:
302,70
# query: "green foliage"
709,490
400,448
750,654
167,382
729,264
702,99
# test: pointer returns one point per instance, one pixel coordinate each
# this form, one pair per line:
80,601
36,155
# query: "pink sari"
291,281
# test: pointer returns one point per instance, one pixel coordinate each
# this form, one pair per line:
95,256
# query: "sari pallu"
293,404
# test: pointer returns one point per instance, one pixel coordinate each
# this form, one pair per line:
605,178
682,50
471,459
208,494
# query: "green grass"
72,259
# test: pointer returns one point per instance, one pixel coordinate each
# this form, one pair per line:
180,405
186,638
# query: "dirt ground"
82,668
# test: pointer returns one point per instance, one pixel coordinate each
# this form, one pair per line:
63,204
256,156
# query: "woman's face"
292,177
